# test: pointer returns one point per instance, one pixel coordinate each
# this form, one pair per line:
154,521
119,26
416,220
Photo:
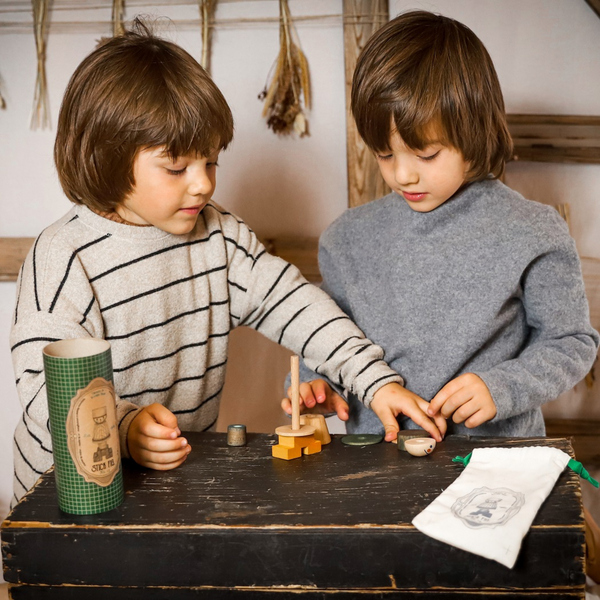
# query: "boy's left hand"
465,399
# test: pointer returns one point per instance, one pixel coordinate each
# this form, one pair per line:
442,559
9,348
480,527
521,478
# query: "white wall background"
548,60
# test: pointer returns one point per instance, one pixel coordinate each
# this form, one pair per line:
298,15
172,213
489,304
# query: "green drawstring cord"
573,464
464,461
580,470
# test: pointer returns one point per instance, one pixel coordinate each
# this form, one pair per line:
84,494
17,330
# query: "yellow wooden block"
285,453
292,447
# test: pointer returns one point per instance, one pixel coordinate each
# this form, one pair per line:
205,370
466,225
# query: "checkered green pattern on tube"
64,378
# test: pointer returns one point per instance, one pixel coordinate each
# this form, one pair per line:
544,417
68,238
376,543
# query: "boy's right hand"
154,441
318,395
393,400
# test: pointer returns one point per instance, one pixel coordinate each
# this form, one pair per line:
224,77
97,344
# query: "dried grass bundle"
290,82
207,14
118,12
40,116
2,101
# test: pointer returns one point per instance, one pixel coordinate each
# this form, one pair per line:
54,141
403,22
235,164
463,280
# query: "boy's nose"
405,173
201,184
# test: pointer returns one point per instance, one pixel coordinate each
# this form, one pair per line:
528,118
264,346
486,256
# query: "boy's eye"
431,156
176,171
214,163
384,156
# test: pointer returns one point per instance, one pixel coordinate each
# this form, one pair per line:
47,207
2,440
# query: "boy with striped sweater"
146,260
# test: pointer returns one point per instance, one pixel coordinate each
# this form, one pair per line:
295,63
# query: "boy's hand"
467,399
393,400
318,395
154,439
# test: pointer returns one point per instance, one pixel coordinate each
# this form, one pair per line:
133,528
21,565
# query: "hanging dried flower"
118,12
40,116
290,82
207,13
2,101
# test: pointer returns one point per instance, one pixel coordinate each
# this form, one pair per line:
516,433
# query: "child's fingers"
163,445
390,424
441,398
162,415
321,390
340,406
150,459
420,418
166,466
307,396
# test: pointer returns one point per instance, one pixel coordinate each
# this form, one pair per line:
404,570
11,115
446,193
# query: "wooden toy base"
293,447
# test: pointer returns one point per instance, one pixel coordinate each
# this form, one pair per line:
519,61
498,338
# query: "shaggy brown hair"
135,91
425,74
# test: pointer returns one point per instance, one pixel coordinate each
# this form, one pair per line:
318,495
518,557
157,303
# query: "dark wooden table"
236,523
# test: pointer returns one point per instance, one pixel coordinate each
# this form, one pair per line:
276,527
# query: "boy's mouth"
414,196
190,210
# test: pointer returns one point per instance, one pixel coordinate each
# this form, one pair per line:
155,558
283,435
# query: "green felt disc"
362,439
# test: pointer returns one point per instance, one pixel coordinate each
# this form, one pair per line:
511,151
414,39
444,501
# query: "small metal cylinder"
236,435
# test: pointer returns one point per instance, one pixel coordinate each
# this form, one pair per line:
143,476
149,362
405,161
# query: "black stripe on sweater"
312,335
165,356
66,275
237,285
19,293
205,401
180,380
34,397
376,382
20,483
352,337
153,254
290,321
32,371
35,289
32,340
170,320
367,366
163,287
268,293
35,437
26,461
123,417
277,304
87,310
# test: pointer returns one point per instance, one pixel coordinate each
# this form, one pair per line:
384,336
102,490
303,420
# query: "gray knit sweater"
488,283
167,304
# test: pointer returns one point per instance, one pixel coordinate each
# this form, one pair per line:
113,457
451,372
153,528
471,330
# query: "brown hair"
430,74
134,91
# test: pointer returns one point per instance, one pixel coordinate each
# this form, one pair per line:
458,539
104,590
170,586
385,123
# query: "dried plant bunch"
118,13
40,116
207,14
287,95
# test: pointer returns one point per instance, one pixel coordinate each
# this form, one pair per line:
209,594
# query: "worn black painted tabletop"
234,520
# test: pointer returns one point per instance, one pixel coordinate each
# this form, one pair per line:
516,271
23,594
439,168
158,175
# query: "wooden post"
361,19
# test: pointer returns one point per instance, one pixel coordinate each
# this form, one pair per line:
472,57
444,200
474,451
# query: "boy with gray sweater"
475,294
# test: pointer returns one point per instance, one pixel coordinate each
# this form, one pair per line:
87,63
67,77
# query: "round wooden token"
287,430
362,439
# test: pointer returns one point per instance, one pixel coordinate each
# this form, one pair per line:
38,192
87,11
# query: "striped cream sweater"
166,304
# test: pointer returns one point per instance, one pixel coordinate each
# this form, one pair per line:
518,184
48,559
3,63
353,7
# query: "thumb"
390,424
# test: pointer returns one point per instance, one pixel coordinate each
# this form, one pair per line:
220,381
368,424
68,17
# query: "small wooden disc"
362,439
287,430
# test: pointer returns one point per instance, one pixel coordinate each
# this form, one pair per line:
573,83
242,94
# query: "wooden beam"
13,251
594,5
556,138
361,19
585,438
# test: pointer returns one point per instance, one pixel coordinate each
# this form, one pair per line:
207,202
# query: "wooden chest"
236,523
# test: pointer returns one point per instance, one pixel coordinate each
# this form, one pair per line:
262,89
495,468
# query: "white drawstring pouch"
490,507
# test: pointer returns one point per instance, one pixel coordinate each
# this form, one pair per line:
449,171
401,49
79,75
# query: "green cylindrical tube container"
83,425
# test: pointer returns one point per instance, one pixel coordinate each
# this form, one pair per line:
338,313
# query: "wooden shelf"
585,438
555,138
